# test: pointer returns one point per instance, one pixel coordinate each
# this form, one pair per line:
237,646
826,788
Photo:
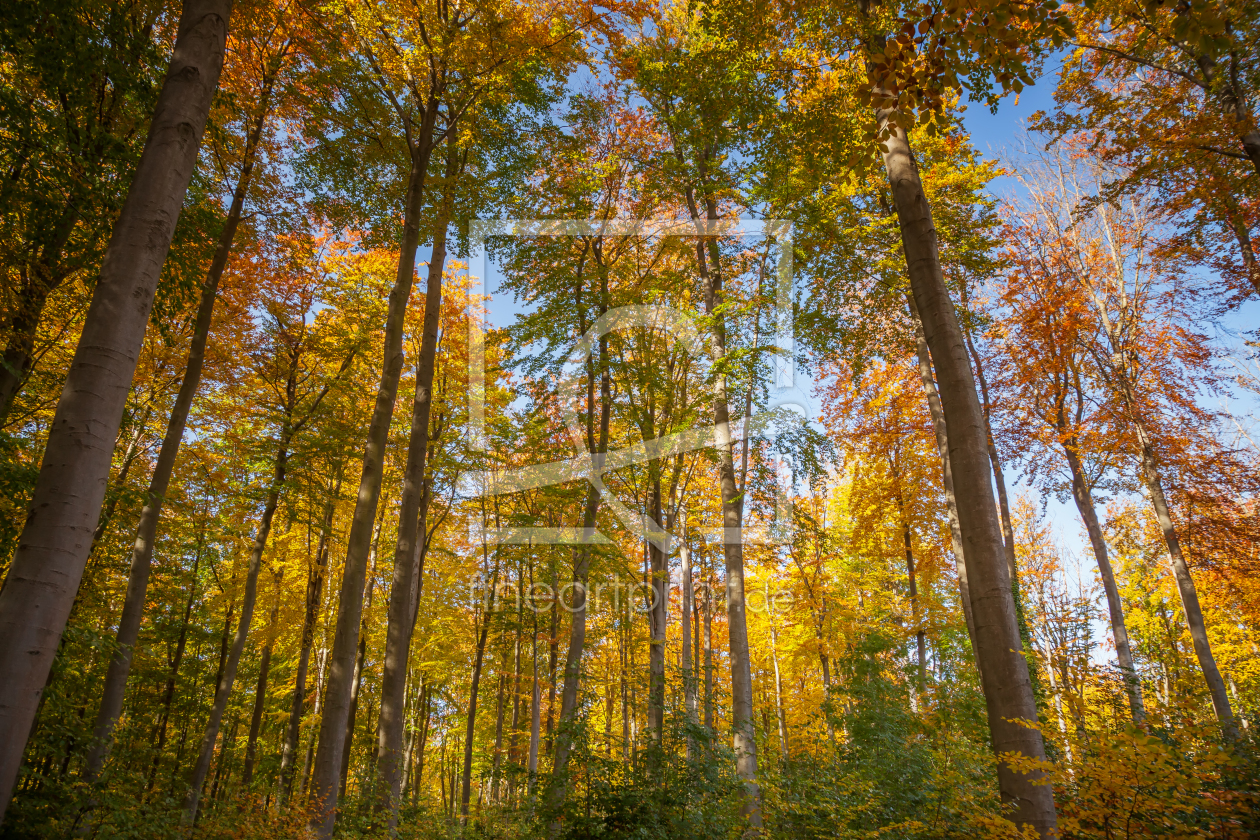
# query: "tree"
1110,261
266,51
67,497
1055,391
80,82
284,365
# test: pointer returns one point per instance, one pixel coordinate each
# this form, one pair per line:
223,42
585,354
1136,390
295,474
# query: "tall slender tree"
48,565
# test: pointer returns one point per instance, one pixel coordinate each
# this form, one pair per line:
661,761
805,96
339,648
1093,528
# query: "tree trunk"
168,694
596,443
479,658
260,694
1084,499
919,637
995,462
1004,674
1242,235
942,445
343,772
535,714
146,531
48,564
224,752
120,482
688,657
309,758
39,281
659,587
498,737
708,658
314,595
1185,587
332,727
742,720
411,529
425,714
1251,148
514,728
197,778
1004,507
553,653
781,716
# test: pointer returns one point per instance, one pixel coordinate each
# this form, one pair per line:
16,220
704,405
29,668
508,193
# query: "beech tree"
614,571
67,498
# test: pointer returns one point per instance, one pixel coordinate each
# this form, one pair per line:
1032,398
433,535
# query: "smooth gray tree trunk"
146,531
780,714
168,693
928,379
708,658
408,556
1084,499
743,726
658,559
332,728
1185,588
1004,672
597,444
314,596
688,654
920,637
52,550
479,657
260,695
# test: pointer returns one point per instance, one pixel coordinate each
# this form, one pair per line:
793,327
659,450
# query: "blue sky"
994,135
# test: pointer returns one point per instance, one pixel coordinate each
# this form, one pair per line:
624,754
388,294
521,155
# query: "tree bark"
168,694
498,736
919,637
314,596
659,587
781,715
553,654
39,281
309,758
1004,674
1242,235
466,786
928,378
1084,499
197,777
332,728
411,528
260,694
597,444
708,658
535,714
343,773
48,564
688,656
1185,587
743,730
425,714
146,531
995,462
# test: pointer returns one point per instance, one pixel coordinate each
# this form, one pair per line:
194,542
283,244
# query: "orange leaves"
1136,783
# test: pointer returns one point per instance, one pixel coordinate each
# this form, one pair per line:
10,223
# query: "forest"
629,419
